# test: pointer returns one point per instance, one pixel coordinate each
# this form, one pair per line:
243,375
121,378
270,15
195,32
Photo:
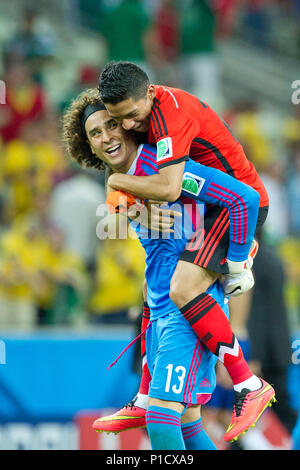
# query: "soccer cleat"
247,409
129,417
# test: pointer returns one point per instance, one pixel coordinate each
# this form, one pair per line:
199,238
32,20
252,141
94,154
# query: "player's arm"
213,186
163,186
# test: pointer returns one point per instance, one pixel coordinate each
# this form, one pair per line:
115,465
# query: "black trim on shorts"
217,251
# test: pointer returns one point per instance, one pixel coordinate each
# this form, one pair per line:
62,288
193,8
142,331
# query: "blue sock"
164,428
195,437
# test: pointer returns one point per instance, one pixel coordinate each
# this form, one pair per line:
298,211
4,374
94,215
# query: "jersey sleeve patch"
192,184
164,149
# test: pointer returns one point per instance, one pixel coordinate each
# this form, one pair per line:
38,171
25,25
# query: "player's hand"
119,202
237,284
159,218
237,267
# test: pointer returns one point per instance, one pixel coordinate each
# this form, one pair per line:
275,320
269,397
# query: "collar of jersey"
132,169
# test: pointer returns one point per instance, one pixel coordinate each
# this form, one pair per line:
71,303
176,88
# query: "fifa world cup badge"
192,184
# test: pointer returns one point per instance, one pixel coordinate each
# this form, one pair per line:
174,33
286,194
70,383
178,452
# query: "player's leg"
210,323
146,377
203,260
132,415
163,416
208,319
179,375
163,419
193,432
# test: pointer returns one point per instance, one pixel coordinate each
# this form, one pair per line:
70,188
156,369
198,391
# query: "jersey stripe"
217,153
148,151
145,162
241,209
195,358
160,132
154,126
147,157
161,117
215,245
173,96
218,224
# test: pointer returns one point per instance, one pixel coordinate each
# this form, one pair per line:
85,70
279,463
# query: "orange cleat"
129,417
247,409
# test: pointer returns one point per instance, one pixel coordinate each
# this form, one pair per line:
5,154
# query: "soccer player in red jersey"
184,127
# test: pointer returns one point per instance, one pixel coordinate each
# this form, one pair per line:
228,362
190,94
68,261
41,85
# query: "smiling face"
109,142
133,114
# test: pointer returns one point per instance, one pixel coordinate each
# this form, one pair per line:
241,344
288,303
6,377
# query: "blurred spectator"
269,331
257,22
199,56
276,227
29,46
289,251
68,276
124,28
73,210
119,281
247,124
25,101
163,44
31,165
87,77
226,11
293,192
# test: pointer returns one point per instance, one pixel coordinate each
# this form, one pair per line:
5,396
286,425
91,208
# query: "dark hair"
120,81
74,136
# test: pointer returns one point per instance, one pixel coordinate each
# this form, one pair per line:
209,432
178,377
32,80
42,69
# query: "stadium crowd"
52,263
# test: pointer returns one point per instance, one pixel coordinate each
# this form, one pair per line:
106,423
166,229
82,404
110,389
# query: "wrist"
236,267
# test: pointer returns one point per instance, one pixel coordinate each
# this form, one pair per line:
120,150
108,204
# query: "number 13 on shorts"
176,377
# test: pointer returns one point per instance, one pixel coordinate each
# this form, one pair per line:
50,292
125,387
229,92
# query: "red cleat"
129,417
247,409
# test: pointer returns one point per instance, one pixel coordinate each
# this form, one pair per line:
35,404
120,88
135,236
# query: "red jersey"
184,127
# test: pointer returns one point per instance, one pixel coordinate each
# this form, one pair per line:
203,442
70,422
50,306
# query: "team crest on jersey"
192,184
164,149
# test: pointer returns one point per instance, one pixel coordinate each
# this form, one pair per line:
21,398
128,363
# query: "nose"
128,124
106,135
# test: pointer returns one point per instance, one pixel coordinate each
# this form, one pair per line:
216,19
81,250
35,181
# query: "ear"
151,92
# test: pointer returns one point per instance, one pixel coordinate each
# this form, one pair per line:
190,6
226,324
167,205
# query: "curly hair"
73,134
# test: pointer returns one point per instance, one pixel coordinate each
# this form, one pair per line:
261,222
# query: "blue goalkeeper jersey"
201,185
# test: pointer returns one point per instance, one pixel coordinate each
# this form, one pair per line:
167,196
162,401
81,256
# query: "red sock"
212,326
146,377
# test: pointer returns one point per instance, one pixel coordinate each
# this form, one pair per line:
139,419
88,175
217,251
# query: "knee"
177,294
182,291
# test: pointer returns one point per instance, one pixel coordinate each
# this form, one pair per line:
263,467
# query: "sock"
211,325
254,383
141,400
164,428
146,377
195,438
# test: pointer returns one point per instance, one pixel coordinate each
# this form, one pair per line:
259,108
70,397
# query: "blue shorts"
181,366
